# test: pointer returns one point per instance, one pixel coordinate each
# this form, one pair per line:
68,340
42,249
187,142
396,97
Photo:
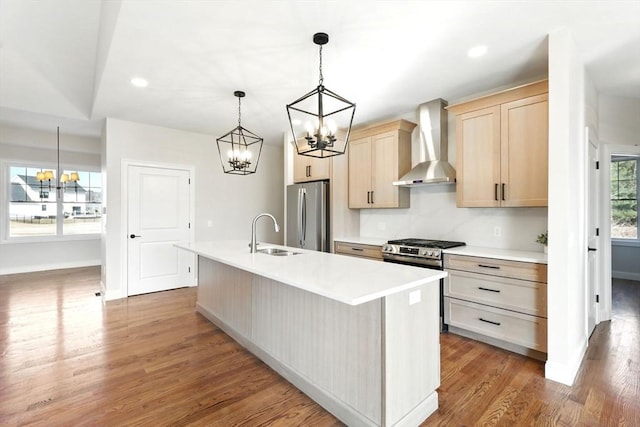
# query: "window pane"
82,203
32,205
624,199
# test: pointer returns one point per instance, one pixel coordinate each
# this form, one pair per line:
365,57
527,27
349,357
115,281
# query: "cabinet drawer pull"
357,249
495,267
487,289
489,321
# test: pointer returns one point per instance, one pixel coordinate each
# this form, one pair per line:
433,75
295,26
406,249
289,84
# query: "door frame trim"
124,209
609,150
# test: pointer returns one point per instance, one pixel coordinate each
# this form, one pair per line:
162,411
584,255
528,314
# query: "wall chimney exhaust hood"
433,167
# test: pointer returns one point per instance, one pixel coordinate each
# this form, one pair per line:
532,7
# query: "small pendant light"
239,149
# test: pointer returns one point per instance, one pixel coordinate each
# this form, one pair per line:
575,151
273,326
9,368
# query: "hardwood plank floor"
68,359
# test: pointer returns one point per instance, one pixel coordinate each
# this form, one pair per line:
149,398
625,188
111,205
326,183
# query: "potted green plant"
543,239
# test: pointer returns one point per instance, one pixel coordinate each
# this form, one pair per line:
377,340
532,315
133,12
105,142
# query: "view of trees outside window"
624,198
34,207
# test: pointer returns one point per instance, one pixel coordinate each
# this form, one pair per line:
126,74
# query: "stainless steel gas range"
420,253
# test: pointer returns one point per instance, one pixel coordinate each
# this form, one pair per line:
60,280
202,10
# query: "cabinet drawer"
521,329
497,267
511,294
359,250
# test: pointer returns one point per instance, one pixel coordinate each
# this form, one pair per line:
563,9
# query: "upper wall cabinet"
378,155
307,168
502,148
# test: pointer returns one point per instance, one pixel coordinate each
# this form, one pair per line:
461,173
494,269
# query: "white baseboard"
47,267
565,373
627,275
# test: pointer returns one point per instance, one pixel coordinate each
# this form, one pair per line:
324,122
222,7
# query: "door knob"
133,236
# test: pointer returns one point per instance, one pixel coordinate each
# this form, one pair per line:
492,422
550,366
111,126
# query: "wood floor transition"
67,359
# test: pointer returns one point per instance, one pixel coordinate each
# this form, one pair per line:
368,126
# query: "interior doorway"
621,279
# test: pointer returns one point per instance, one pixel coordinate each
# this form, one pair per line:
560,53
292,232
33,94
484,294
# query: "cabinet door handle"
495,267
495,192
372,202
488,321
489,290
368,197
503,185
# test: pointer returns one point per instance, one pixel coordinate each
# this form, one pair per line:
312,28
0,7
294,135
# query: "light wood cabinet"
307,168
502,148
498,299
359,250
378,155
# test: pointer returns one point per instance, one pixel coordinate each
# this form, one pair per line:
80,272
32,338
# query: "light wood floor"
67,359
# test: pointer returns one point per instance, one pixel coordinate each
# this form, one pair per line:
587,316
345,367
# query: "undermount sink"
277,252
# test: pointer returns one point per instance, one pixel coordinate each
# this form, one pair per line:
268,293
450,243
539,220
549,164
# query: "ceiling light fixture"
477,51
241,147
316,117
139,82
48,175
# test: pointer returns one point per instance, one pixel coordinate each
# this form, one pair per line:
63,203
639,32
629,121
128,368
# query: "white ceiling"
69,62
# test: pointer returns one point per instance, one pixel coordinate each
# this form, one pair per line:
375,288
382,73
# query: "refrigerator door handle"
299,217
304,218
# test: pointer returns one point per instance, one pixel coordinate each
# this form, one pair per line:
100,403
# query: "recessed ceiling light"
139,82
477,51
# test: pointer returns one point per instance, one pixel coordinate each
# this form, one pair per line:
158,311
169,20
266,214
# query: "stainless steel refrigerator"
308,215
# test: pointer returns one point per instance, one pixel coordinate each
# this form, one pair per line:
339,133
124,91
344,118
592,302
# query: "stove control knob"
430,253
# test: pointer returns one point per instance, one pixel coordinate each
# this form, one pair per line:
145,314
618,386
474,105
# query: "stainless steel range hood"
433,167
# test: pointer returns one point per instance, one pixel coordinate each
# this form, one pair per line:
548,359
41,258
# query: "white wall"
566,302
619,120
27,145
229,201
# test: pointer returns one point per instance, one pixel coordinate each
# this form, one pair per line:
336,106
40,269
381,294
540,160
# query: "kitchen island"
359,337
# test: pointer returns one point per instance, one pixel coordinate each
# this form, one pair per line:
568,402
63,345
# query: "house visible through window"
35,208
624,197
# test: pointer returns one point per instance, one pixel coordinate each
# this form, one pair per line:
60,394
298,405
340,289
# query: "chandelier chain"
321,77
239,111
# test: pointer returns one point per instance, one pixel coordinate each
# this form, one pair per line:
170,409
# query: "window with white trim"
624,197
37,209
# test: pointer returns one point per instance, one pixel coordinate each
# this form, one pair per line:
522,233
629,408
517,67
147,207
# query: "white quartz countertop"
350,280
507,254
375,241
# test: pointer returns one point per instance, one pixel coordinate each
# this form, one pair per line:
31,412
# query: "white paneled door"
158,217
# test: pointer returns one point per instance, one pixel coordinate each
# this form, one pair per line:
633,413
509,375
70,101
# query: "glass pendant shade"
239,149
321,119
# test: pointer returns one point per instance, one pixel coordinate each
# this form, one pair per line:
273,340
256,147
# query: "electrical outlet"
210,223
497,231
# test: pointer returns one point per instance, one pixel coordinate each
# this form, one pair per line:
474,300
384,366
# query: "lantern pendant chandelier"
321,120
240,146
64,178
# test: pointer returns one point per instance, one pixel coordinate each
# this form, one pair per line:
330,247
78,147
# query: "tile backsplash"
434,215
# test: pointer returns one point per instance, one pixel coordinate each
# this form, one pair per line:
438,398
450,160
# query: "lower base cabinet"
500,300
